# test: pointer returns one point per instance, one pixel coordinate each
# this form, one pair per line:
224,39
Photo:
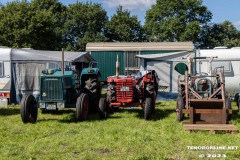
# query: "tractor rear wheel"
102,108
150,93
228,106
180,107
28,109
150,90
93,90
82,105
111,93
148,109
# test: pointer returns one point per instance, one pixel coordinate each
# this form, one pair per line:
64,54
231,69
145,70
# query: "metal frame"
197,106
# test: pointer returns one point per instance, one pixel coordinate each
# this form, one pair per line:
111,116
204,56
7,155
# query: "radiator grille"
124,96
52,89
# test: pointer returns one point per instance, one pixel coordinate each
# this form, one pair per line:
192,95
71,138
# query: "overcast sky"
222,9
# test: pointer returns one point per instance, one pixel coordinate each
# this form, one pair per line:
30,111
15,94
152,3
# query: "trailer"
5,76
229,59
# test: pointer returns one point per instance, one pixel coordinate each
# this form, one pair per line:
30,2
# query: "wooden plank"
210,127
208,111
187,111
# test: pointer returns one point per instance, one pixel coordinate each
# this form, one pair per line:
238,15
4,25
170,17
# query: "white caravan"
222,58
5,76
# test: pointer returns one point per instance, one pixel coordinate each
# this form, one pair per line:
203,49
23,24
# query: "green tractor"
64,89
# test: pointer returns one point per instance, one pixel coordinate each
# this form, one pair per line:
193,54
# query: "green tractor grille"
51,89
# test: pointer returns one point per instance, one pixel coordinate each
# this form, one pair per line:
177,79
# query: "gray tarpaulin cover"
40,55
28,63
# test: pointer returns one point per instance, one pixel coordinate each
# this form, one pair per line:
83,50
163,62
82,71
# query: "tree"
221,34
123,27
14,19
35,25
84,23
176,20
46,24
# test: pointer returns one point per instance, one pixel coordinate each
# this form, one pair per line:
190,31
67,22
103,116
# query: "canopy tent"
168,67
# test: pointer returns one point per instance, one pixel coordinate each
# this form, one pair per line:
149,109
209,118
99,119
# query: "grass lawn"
124,135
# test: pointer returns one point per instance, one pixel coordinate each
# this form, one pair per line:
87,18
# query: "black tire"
111,93
91,84
236,98
238,105
228,107
153,102
181,90
149,90
102,109
44,111
82,107
92,88
179,108
148,109
28,109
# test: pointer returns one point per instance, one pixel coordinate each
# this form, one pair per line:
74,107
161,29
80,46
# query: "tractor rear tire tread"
102,109
150,90
111,93
180,107
92,88
228,106
148,109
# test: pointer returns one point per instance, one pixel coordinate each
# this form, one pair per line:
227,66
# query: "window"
1,69
53,65
131,62
225,66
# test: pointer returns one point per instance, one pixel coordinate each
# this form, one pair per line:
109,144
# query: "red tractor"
129,91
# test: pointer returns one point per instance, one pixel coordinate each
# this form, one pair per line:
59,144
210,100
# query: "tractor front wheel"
180,106
28,109
148,108
102,108
82,107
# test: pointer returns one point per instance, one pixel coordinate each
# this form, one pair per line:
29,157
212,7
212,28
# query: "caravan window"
218,66
223,65
1,69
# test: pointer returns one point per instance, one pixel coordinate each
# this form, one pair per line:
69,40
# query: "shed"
164,57
106,52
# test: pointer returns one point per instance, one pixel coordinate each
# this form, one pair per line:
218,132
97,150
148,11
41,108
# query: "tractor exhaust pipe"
62,61
117,67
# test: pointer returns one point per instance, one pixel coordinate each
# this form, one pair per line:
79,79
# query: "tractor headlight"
41,105
60,105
